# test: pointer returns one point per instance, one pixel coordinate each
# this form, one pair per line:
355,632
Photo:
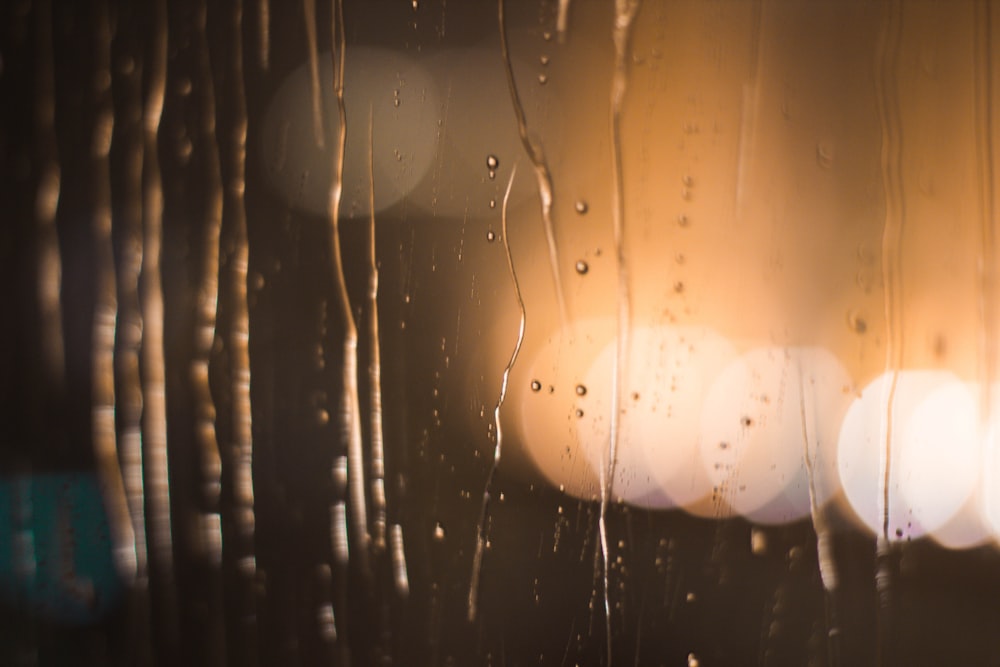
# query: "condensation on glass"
555,332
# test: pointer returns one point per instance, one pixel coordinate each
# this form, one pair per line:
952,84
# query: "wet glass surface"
440,333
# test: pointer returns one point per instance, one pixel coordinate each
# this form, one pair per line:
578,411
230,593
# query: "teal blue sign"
56,552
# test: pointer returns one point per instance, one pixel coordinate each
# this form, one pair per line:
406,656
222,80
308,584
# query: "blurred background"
557,332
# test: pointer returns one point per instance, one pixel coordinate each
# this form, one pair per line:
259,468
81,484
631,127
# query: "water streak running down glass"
518,332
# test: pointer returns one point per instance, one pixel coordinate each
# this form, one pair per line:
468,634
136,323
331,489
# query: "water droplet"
635,396
542,79
184,86
683,220
581,390
746,421
562,488
693,660
582,267
544,60
686,194
438,532
580,206
492,162
491,236
679,286
322,417
493,203
824,154
857,322
680,258
579,413
536,385
687,180
547,36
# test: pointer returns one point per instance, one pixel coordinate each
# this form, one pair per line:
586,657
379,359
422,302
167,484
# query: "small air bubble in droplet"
542,79
492,162
580,206
491,236
536,385
581,267
581,390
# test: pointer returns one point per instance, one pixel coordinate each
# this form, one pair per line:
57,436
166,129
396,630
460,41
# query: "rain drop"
581,390
492,162
438,532
542,79
580,206
857,322
536,385
544,60
582,267
824,155
682,220
491,236
579,413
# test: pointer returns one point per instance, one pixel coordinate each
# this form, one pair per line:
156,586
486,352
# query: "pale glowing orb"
403,102
770,416
567,420
934,452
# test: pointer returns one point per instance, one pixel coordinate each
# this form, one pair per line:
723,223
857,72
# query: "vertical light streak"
988,292
625,11
892,230
264,33
350,411
824,538
562,20
375,361
129,329
49,260
154,416
309,14
338,533
239,348
106,306
400,575
208,287
477,559
537,156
